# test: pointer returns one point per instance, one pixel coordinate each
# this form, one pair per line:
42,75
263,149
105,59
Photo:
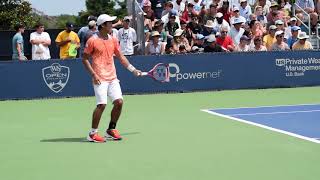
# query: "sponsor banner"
56,78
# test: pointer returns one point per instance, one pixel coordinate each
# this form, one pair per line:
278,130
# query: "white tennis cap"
105,18
279,33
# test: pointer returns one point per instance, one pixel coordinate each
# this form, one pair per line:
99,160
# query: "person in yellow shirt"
69,42
269,39
302,43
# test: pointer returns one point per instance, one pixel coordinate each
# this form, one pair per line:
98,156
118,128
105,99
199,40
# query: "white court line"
257,107
280,112
263,126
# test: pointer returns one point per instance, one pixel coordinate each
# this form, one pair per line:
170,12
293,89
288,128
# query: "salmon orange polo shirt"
102,52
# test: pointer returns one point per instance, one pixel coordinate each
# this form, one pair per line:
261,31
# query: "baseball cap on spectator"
279,22
295,28
237,21
211,38
274,4
90,18
147,3
293,19
172,13
127,18
245,38
209,24
279,33
178,32
105,18
199,37
272,27
241,1
303,35
235,8
92,23
69,25
158,23
219,15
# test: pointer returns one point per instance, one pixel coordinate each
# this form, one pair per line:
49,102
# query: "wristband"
131,68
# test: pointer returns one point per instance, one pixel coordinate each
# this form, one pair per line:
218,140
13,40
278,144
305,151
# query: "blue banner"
68,78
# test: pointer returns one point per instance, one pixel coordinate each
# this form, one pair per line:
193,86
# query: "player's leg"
101,93
115,95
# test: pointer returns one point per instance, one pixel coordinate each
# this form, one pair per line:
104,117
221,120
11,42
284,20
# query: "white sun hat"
303,35
105,18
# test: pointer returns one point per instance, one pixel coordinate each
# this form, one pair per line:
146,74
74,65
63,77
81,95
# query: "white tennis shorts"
107,89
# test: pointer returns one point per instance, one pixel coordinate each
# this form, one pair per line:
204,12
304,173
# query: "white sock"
93,131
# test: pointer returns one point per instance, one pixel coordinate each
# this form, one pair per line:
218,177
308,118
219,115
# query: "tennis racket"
160,73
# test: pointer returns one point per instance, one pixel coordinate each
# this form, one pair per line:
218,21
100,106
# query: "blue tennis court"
302,121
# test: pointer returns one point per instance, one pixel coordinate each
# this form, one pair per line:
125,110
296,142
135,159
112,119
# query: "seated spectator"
149,12
225,10
265,4
308,6
269,39
158,26
243,45
68,42
194,25
256,28
198,43
187,32
258,11
211,13
196,5
168,7
208,28
287,31
171,26
294,36
224,40
171,15
212,45
220,22
257,41
280,25
40,41
207,3
157,6
18,44
279,45
236,31
302,43
245,9
273,12
236,14
127,37
180,43
155,46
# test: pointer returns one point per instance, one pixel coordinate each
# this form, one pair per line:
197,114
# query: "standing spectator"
308,6
212,45
40,41
211,13
236,31
302,43
258,11
243,45
257,41
93,30
292,23
127,37
279,45
18,44
155,46
179,6
245,9
225,10
219,22
225,41
82,34
68,42
269,39
294,36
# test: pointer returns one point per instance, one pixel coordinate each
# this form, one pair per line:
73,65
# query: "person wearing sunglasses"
279,45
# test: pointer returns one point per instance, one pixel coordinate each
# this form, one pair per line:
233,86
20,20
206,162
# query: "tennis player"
101,47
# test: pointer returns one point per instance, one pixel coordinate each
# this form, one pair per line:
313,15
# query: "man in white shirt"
127,37
236,31
245,9
40,41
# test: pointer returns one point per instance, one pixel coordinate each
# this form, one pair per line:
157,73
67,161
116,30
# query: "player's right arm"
87,65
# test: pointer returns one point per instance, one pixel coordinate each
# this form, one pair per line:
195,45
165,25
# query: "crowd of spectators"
183,26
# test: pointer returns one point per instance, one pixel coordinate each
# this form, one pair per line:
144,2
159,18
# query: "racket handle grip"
144,73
